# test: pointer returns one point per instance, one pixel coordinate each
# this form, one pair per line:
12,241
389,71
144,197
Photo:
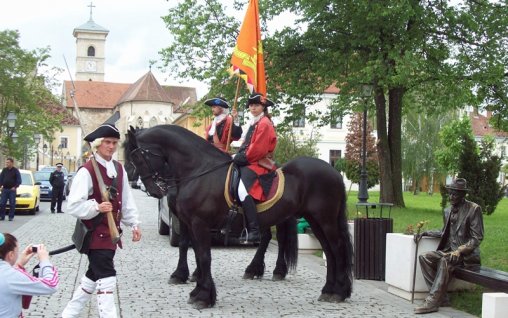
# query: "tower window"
91,51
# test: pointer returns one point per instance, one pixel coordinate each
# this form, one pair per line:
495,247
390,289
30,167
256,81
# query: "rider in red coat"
217,132
254,158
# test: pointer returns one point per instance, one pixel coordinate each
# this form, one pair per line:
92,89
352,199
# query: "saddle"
233,180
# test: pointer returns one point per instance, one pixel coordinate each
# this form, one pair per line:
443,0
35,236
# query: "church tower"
90,50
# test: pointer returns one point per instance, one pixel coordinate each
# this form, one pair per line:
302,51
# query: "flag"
247,60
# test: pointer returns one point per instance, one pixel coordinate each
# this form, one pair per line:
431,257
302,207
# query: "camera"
34,248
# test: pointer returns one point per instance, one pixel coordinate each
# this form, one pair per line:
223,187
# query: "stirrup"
244,238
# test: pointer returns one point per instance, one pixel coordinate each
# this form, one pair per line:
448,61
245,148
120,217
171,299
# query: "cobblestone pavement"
143,270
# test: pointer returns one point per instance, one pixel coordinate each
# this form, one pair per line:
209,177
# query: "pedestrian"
255,161
16,285
218,131
57,181
459,246
85,203
10,179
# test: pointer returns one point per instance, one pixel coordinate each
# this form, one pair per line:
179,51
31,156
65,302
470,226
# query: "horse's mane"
191,140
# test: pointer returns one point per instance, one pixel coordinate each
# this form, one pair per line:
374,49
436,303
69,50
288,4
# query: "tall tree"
24,90
420,142
420,55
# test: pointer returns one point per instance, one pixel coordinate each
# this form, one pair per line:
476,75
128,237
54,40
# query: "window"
334,156
91,51
300,122
64,141
336,122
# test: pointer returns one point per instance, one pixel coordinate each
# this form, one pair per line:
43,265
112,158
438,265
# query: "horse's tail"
291,243
346,259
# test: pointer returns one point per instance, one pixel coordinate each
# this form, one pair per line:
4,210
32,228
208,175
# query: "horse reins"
176,181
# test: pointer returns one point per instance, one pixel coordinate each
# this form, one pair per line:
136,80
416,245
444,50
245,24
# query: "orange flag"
247,60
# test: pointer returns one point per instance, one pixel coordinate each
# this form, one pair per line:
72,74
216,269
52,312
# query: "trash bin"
370,243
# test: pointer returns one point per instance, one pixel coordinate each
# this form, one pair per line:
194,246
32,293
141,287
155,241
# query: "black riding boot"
252,234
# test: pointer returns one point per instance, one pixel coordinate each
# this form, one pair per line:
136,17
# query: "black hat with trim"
217,101
103,131
59,164
258,98
459,184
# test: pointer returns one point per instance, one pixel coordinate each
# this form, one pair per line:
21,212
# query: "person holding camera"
85,201
15,282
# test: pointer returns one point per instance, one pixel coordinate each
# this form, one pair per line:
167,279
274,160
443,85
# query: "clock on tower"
91,66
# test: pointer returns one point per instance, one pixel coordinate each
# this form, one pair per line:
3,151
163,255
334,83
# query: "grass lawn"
422,207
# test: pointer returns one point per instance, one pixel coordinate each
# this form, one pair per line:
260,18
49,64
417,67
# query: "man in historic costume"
459,246
57,181
217,132
254,158
85,202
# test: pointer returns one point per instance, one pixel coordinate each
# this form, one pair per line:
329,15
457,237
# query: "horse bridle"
158,180
161,182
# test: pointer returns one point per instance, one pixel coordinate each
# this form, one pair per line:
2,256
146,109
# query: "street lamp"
37,139
363,194
11,119
44,150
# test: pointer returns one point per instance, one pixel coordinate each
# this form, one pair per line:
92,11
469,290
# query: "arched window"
91,51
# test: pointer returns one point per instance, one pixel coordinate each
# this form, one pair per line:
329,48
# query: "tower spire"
91,6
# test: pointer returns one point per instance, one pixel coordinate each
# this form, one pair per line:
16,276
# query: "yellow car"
28,194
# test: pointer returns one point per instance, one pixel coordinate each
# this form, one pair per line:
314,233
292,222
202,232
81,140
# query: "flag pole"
234,109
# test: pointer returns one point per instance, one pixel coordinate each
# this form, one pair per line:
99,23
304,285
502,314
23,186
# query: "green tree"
420,142
289,147
476,163
24,90
480,167
424,56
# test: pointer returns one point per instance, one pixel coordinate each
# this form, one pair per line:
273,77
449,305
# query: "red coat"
220,137
262,144
100,237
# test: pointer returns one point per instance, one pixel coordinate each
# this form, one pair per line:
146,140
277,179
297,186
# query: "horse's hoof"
331,298
193,279
200,305
176,281
248,276
191,300
278,277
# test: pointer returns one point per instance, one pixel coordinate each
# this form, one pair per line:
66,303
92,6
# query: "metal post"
363,194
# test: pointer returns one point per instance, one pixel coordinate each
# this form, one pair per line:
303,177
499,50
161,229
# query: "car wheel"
163,227
174,237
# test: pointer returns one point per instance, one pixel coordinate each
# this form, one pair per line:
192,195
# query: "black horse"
286,235
197,170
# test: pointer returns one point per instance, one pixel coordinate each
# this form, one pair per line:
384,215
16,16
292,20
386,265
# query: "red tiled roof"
481,126
90,94
147,88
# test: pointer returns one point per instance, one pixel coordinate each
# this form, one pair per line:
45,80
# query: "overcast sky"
136,33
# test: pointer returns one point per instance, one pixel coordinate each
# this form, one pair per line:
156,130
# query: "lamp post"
44,151
363,194
37,139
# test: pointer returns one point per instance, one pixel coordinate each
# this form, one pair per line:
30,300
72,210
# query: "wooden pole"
234,108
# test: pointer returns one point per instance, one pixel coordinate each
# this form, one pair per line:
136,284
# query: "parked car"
69,183
168,224
28,193
43,175
45,187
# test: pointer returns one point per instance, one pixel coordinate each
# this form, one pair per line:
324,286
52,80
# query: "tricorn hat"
459,184
217,101
258,98
103,131
59,164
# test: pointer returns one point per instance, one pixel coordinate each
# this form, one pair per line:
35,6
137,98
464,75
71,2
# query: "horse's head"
148,162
